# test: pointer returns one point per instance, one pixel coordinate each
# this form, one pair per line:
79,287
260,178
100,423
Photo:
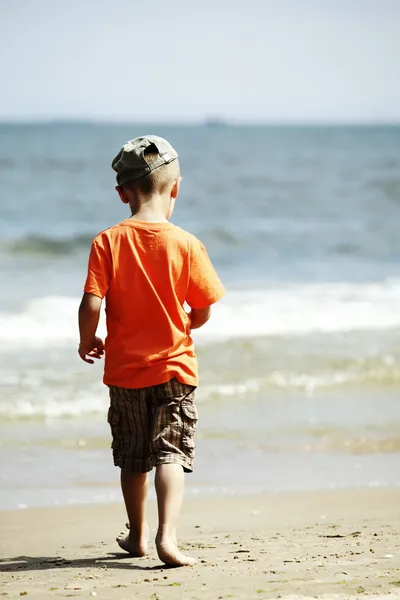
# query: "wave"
253,347
303,309
55,384
46,395
46,246
291,310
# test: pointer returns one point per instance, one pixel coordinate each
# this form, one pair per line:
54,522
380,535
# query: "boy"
147,268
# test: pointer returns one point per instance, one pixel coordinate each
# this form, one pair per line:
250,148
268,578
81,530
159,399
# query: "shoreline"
342,542
203,495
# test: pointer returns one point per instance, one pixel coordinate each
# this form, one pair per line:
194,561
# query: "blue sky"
180,60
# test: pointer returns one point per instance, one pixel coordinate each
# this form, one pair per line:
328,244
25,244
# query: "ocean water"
300,364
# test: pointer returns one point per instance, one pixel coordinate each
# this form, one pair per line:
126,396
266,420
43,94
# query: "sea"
300,362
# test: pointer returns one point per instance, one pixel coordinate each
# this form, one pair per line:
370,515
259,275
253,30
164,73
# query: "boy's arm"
89,314
199,317
205,288
96,287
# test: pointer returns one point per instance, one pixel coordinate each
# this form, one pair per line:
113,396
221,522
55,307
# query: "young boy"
147,268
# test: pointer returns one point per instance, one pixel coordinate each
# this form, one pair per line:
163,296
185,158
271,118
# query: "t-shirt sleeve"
205,287
99,269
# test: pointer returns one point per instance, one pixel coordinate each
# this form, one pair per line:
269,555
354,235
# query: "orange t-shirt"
146,272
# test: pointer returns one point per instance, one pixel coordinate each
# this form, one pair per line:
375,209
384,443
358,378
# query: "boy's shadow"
113,560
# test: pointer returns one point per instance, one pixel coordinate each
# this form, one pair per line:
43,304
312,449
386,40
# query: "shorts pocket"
189,418
113,418
117,444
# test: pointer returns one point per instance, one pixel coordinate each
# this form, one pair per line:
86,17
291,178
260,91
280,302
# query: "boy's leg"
130,427
172,446
134,489
169,482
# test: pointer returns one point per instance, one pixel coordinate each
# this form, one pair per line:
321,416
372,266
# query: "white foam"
51,319
304,309
286,310
69,401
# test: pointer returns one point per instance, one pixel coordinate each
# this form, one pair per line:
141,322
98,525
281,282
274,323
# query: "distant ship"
215,122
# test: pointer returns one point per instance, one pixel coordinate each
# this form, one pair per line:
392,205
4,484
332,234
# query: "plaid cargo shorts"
153,426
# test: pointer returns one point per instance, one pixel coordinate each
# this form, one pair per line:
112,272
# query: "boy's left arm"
90,345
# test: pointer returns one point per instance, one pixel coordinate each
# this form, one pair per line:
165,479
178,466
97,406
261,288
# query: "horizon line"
211,122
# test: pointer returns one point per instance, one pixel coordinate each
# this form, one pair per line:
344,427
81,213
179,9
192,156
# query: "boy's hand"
93,350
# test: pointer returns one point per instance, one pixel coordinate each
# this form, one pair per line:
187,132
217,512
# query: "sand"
312,544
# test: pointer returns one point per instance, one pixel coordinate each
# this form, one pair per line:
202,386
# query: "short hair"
156,181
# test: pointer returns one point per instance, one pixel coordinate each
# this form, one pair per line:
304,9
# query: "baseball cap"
130,162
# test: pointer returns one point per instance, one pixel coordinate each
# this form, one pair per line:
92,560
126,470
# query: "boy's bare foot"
169,553
135,546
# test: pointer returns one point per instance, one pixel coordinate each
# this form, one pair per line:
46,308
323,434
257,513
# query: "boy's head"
147,167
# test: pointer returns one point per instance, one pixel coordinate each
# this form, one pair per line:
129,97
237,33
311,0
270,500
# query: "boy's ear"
122,194
175,188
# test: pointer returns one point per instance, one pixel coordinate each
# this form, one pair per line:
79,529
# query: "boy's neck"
150,212
148,217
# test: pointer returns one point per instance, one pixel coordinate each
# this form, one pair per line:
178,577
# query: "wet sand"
311,544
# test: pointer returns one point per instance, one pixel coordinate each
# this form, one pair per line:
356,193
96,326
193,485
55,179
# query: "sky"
273,61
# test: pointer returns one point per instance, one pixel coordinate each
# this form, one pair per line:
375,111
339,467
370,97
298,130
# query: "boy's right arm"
199,317
205,287
96,287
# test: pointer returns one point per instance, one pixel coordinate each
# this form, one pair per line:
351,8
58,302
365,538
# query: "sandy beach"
312,544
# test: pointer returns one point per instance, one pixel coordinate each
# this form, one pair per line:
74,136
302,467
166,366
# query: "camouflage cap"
130,162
